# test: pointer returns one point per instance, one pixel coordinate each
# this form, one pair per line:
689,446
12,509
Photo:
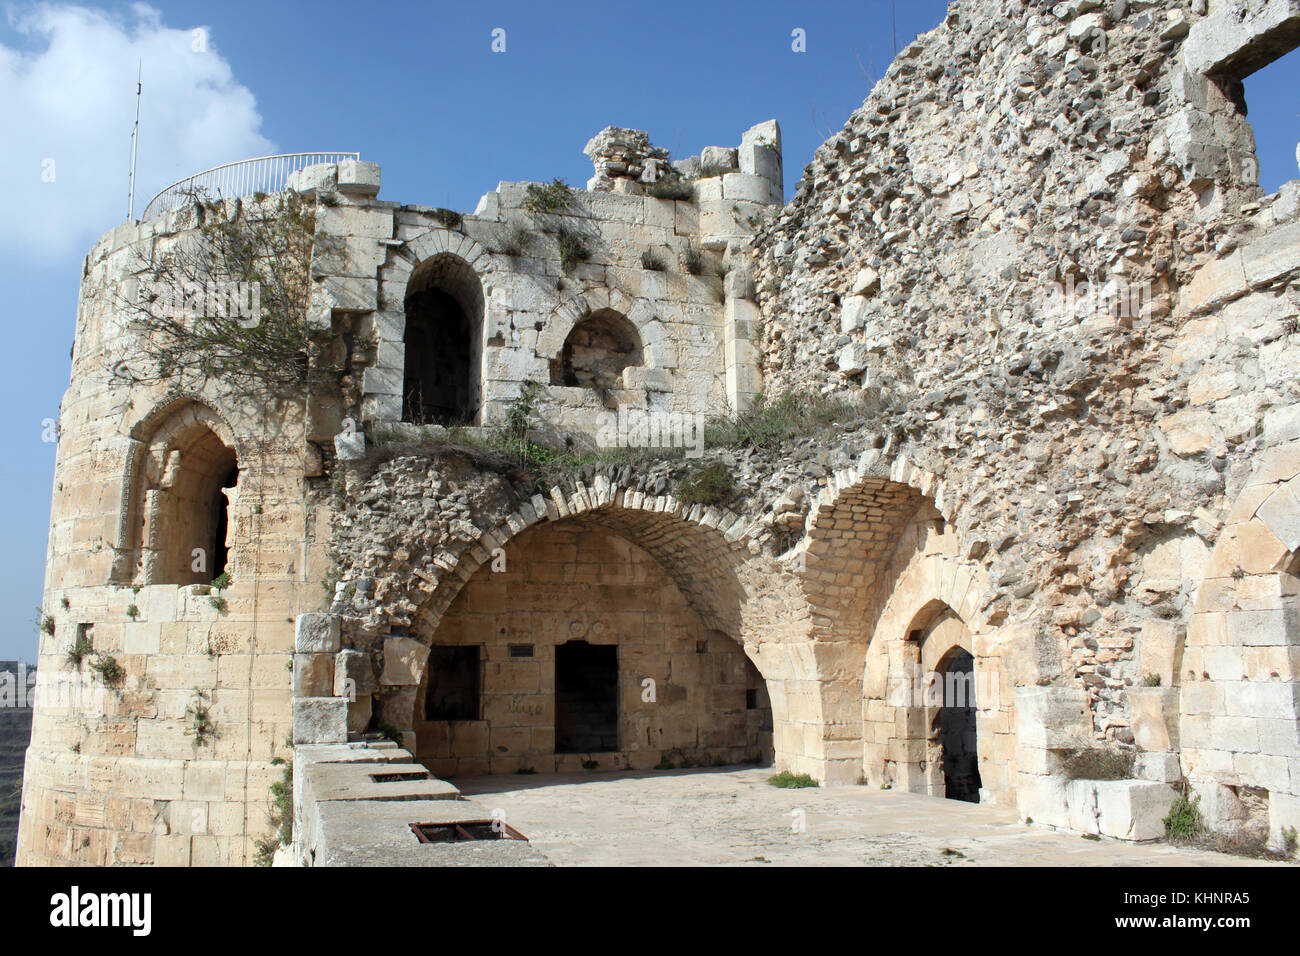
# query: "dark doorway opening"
439,367
221,521
956,727
586,698
453,683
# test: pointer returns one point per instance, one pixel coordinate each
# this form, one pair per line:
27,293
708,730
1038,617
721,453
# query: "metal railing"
265,174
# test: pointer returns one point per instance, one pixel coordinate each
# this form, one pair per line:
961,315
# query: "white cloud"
67,96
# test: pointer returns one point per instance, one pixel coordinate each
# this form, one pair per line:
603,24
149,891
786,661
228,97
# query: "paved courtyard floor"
734,817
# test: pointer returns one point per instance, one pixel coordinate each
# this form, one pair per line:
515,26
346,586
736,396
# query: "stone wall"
1085,499
116,774
123,773
1091,456
564,584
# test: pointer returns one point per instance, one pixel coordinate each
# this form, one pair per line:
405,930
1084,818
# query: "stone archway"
180,481
439,260
882,553
585,653
443,343
497,598
639,313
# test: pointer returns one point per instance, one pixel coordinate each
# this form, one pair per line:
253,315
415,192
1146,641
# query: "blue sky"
413,86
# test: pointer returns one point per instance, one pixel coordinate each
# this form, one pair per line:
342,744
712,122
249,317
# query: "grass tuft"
709,485
768,423
791,781
1097,763
652,261
546,199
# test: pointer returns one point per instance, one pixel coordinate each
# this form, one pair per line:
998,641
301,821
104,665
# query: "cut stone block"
309,180
357,177
349,446
1160,768
1052,718
404,661
1131,810
757,159
720,158
1155,717
320,720
354,675
313,675
1240,38
316,634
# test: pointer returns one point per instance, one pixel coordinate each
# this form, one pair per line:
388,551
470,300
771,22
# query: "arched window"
444,343
597,351
186,479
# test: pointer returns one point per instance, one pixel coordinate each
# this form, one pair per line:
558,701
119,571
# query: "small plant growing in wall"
218,600
682,189
44,622
132,611
511,240
67,605
1097,763
573,247
268,348
1151,680
447,218
108,669
652,261
518,420
281,815
710,485
1184,823
549,198
693,259
80,649
201,728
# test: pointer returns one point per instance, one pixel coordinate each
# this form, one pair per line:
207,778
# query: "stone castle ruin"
1056,510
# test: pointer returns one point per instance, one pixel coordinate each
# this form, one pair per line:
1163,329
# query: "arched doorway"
442,383
953,726
933,683
580,652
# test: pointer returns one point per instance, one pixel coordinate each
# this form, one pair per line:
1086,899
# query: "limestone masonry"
1037,257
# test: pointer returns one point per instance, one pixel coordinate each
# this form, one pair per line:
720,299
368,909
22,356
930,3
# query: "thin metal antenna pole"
893,13
135,139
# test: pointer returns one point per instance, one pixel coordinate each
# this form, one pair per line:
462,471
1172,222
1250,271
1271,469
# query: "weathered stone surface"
354,675
404,661
316,634
1037,256
320,720
1122,809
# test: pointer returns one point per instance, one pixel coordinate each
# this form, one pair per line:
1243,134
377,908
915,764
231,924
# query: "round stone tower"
187,642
